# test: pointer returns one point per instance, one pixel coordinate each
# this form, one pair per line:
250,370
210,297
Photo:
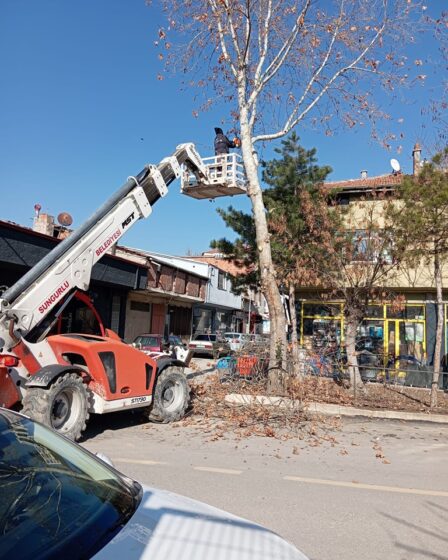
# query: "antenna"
395,165
65,219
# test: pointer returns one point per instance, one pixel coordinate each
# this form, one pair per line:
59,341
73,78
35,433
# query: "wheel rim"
172,396
65,410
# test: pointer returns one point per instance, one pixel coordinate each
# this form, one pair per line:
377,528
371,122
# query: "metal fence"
252,363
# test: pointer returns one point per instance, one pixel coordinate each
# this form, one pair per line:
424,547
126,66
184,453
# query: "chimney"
416,159
44,223
363,174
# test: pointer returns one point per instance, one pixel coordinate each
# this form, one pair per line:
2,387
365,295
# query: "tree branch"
293,118
280,57
222,35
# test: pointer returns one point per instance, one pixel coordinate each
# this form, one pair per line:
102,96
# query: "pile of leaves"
213,414
375,396
209,408
217,417
395,397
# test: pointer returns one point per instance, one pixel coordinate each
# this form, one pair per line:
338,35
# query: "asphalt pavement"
364,490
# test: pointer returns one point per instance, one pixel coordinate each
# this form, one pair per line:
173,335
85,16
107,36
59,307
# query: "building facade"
388,331
112,278
165,306
245,313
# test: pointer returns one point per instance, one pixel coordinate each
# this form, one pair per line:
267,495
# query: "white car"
236,340
60,501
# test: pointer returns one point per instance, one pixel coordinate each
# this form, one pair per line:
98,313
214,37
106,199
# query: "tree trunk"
352,358
267,273
296,370
439,329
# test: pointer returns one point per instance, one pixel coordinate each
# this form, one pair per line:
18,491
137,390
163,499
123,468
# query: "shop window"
375,311
370,337
321,310
416,312
321,334
308,327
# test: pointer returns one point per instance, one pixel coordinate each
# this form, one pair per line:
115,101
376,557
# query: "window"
207,337
375,311
145,341
370,246
416,312
140,306
321,310
221,280
202,337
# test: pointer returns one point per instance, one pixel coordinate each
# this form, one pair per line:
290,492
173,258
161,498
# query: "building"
251,314
134,291
183,296
113,277
387,331
165,306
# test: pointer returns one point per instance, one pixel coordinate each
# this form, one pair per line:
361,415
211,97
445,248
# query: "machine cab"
225,177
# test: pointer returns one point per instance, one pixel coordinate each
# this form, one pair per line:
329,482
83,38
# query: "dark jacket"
222,143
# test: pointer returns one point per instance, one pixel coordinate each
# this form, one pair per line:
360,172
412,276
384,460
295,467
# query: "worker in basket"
222,147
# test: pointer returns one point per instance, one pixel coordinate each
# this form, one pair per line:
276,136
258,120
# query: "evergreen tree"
298,220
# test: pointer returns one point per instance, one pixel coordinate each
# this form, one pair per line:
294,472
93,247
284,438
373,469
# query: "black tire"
171,396
63,406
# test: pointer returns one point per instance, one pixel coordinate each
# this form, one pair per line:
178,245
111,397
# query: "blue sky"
79,93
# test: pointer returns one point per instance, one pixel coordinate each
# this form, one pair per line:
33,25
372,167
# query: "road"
373,489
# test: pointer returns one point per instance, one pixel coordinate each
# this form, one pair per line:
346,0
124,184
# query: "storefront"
212,320
386,333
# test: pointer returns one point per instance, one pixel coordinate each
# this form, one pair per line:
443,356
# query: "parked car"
236,340
209,344
175,340
157,342
60,501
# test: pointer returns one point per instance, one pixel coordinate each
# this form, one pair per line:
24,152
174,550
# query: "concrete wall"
222,297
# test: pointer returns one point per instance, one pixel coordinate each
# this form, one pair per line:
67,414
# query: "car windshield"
231,335
55,497
147,340
175,340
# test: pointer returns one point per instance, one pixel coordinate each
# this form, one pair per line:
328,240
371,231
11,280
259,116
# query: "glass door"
405,349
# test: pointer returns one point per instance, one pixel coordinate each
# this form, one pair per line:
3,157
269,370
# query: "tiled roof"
388,180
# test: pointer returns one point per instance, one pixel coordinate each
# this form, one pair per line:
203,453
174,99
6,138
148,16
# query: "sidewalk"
338,410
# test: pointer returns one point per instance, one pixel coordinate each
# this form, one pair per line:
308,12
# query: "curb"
338,410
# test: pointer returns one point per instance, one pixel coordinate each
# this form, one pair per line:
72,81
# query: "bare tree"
278,63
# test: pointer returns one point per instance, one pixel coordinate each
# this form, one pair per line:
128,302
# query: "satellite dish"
395,165
65,219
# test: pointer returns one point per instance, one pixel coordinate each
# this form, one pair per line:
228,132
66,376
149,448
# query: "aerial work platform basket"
225,177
